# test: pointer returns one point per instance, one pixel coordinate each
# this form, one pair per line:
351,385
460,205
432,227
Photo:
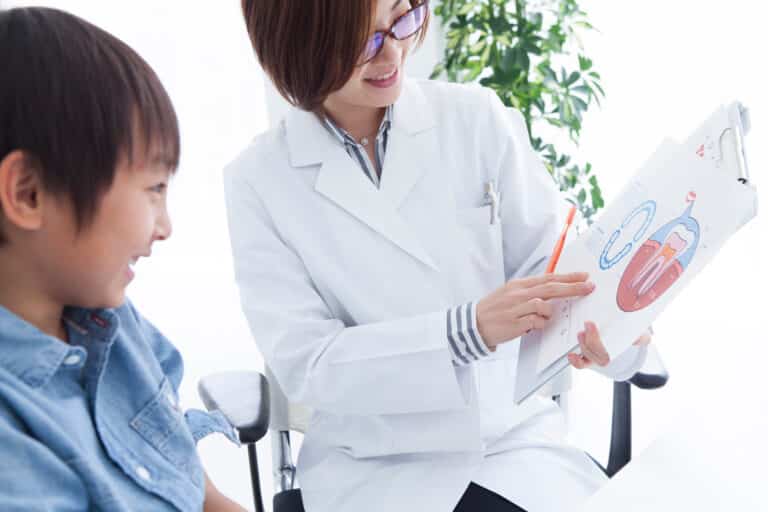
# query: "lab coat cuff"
624,366
464,338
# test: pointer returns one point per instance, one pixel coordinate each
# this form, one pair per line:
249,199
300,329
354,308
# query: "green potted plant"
530,53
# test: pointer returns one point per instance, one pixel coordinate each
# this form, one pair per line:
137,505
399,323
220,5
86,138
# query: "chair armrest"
653,374
242,397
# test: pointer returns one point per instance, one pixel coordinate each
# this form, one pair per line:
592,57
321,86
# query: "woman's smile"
384,81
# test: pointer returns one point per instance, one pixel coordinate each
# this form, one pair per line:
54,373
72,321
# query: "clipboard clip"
739,121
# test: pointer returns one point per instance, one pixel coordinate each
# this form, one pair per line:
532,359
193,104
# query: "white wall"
665,66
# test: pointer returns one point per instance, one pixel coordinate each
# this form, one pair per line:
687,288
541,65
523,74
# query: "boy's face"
93,267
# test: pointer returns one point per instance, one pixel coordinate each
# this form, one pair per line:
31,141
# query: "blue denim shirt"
96,425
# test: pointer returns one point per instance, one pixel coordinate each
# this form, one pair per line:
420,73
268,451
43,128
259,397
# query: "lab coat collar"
309,141
342,181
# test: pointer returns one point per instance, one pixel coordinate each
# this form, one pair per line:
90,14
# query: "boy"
89,418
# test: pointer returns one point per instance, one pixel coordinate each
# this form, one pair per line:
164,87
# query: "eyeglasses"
404,27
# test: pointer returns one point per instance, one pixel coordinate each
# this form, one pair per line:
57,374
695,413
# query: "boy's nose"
163,228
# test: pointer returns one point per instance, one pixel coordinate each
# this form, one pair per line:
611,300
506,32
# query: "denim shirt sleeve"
203,423
32,477
200,423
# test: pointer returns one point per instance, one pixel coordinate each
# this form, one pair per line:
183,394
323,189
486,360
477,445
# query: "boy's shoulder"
31,357
148,345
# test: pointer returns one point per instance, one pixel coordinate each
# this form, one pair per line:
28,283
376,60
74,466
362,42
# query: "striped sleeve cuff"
464,338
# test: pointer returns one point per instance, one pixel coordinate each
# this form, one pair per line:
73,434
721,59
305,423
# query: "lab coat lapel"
342,181
411,145
345,184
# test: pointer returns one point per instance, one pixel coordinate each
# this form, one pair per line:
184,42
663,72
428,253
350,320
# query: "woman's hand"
592,348
523,304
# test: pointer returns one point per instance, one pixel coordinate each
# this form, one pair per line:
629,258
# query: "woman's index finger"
573,277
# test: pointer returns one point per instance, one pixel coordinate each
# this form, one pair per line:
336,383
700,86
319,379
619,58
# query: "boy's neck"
22,295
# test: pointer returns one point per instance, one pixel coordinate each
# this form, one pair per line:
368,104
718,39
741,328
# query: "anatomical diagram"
659,262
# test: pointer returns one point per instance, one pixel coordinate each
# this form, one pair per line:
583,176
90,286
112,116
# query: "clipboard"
718,146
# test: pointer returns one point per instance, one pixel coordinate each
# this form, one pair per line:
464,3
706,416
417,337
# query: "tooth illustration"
659,262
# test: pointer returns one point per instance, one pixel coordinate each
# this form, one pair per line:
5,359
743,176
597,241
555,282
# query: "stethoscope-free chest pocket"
161,423
481,240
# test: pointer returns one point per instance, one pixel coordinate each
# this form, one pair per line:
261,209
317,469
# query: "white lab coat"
345,288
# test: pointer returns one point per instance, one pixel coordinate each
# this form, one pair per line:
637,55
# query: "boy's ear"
21,192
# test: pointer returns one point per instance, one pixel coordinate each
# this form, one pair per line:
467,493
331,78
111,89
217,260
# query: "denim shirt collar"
34,356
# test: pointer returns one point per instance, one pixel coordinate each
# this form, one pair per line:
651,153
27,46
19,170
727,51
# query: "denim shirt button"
72,359
143,473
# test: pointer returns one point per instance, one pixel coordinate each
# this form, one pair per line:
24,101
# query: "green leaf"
547,72
480,45
466,9
597,198
554,122
599,88
580,104
584,63
437,71
584,24
582,89
572,78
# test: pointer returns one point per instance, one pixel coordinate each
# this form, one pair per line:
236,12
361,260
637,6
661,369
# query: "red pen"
558,250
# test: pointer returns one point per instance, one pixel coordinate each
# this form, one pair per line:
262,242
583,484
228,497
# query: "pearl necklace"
365,140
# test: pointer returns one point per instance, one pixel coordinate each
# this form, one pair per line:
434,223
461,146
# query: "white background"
665,66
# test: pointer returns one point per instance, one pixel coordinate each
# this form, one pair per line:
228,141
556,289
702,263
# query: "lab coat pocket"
483,246
161,423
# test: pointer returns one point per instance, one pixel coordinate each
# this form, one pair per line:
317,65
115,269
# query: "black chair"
254,404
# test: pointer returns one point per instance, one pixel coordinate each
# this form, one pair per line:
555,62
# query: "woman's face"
378,82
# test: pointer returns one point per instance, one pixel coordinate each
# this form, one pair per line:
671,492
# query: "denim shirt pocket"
162,424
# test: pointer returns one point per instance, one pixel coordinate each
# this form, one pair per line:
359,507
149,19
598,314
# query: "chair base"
288,501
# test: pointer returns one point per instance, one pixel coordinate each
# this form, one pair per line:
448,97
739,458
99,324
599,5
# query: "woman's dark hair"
73,99
309,48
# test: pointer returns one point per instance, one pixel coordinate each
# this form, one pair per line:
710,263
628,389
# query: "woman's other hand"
592,348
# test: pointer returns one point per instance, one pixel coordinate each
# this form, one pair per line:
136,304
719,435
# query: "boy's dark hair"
74,98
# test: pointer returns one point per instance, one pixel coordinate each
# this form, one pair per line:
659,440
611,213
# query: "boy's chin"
106,301
115,302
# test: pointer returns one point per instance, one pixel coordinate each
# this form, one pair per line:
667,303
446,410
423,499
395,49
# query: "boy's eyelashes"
160,188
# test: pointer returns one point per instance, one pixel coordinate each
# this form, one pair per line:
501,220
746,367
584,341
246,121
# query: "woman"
378,281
